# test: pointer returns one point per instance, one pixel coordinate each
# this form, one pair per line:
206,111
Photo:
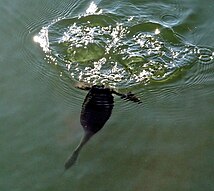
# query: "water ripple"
125,50
49,74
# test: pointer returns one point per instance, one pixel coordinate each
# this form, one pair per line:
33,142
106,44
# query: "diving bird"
96,110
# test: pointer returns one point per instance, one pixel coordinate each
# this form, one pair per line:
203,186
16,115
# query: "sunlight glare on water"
161,51
42,39
119,51
93,9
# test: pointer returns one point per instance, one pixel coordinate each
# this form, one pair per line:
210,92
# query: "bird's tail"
73,157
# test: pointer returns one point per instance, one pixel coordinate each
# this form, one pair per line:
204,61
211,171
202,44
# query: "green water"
166,143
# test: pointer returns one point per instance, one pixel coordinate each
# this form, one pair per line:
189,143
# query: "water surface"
160,50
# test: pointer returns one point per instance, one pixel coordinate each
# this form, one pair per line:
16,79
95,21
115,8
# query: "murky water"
162,51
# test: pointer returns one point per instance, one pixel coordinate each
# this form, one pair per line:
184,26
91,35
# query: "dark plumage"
96,110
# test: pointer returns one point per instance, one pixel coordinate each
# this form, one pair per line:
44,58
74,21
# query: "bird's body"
96,110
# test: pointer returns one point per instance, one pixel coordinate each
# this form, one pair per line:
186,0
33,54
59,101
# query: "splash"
115,50
42,39
93,9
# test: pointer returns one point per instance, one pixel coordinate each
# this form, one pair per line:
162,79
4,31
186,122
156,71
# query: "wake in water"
117,50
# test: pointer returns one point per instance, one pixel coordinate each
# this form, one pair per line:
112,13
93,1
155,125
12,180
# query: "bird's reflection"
96,110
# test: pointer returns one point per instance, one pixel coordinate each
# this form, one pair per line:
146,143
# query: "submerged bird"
96,110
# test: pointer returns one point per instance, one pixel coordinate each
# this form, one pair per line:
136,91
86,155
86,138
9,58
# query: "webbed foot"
131,97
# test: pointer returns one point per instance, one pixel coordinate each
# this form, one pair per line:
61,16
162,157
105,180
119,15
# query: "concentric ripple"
116,50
